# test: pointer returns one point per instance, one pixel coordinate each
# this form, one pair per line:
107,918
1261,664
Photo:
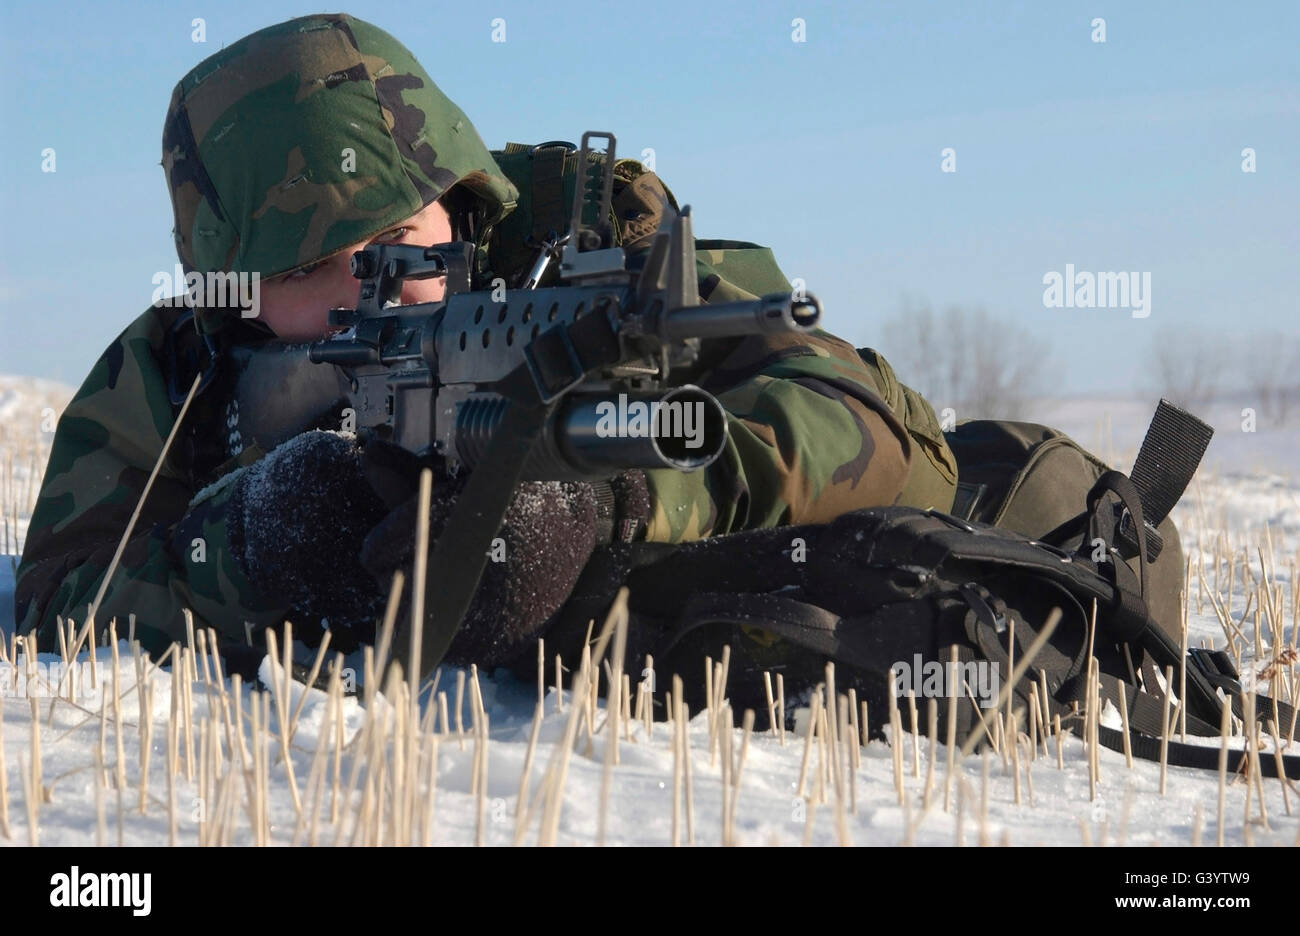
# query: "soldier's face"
296,306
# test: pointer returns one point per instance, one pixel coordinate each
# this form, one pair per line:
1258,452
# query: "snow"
28,411
23,398
1241,496
1129,807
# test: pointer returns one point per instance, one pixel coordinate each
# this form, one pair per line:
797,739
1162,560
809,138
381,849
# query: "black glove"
548,534
320,526
295,524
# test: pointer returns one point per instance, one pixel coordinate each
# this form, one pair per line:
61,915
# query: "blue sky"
1116,156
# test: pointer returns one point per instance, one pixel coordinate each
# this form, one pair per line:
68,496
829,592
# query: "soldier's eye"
304,272
393,236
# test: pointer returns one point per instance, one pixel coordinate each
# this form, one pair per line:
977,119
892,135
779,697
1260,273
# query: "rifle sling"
458,558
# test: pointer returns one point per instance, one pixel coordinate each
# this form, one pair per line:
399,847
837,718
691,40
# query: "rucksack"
885,591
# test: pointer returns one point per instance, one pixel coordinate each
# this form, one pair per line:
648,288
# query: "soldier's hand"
295,522
543,544
545,540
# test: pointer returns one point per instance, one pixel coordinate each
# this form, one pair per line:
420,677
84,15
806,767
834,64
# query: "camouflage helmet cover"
307,137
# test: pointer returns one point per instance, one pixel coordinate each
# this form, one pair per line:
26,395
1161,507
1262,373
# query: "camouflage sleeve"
809,438
107,442
815,429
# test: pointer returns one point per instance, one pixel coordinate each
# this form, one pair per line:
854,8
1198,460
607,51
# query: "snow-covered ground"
75,802
28,411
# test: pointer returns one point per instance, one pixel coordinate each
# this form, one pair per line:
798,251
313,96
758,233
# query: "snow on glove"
296,520
548,534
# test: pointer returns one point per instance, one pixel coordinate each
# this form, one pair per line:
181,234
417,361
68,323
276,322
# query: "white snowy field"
103,775
28,410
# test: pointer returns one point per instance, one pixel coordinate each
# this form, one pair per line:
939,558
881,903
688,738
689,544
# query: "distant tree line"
1195,368
965,359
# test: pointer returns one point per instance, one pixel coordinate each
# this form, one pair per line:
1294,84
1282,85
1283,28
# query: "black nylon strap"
1132,623
1117,483
813,628
1264,711
805,624
459,556
1146,727
1146,709
457,560
1170,454
1203,757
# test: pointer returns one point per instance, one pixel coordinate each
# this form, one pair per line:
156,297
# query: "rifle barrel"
771,314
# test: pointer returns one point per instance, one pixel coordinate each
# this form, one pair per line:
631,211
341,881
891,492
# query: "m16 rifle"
517,384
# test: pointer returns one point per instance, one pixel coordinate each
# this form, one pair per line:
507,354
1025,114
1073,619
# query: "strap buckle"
1126,537
967,499
1216,666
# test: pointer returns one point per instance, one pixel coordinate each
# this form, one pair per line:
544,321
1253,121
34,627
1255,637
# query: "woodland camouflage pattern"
256,136
817,428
